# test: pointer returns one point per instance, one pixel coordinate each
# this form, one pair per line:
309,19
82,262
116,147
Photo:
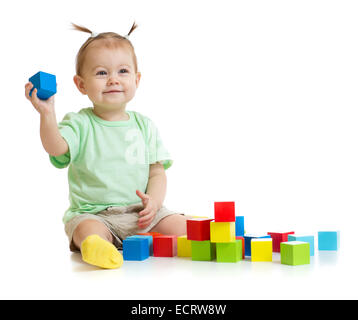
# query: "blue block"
135,249
150,239
309,239
45,83
248,238
239,226
328,240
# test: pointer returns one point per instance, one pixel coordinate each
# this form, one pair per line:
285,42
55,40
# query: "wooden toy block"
184,246
222,231
277,238
295,253
153,234
45,83
243,246
248,237
239,226
328,240
150,240
303,238
203,250
261,249
224,211
198,229
135,249
165,246
229,252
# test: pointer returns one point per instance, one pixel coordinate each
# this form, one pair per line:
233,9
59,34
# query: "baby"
116,160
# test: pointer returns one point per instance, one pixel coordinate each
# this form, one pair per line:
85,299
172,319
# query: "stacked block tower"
198,233
223,233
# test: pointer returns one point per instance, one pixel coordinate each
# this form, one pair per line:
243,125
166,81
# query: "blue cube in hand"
45,83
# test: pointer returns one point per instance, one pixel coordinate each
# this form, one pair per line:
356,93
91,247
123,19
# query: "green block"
229,251
295,253
203,250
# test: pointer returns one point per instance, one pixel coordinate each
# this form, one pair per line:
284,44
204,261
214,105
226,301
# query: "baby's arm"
157,184
155,194
51,138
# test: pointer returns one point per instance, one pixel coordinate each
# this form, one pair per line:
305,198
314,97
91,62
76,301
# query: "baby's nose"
113,80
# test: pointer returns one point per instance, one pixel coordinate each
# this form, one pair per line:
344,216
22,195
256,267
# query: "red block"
243,246
224,211
277,238
164,246
198,229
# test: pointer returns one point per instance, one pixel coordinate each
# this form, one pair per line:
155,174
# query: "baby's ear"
79,84
138,76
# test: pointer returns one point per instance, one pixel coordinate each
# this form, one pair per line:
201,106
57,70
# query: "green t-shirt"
107,160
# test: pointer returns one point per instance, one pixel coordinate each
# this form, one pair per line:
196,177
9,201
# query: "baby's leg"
89,227
94,240
174,224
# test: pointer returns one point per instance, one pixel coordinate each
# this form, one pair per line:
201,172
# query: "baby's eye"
123,71
101,73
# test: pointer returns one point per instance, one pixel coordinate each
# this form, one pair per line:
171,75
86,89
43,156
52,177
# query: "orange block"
153,234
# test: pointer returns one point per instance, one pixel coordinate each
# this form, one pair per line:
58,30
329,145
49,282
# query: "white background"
255,100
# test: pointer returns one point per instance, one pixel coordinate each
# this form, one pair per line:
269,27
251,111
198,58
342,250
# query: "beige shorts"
121,222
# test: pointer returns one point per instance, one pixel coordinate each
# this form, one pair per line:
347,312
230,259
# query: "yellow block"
261,249
222,231
183,247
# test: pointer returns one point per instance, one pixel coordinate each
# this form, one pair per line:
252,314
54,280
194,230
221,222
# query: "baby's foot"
101,253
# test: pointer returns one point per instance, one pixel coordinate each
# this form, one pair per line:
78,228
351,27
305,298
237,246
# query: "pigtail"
134,26
80,28
108,37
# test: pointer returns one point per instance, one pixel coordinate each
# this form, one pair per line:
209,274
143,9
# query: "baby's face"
108,77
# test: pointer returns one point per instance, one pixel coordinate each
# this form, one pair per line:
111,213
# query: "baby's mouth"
113,91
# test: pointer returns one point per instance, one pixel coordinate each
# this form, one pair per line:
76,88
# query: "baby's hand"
44,107
149,211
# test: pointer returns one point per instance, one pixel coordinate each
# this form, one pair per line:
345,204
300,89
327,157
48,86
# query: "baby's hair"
112,40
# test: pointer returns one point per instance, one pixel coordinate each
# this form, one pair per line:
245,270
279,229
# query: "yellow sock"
101,253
